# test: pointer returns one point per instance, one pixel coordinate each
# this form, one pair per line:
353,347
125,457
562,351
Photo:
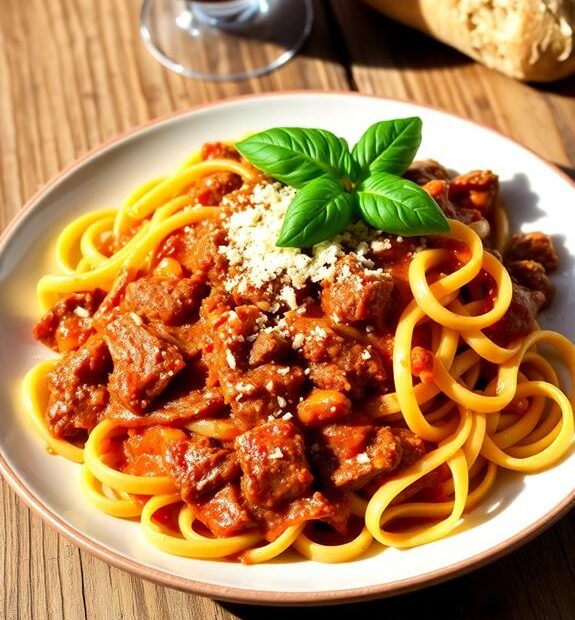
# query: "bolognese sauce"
287,352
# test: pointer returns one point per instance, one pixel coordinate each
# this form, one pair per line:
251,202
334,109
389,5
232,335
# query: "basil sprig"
336,184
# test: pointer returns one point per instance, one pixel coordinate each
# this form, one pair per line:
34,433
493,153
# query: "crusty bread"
532,40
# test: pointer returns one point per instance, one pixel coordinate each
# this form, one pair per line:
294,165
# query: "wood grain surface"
74,73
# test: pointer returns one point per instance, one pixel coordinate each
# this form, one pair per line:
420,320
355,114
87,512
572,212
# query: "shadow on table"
517,191
564,87
570,172
513,588
347,30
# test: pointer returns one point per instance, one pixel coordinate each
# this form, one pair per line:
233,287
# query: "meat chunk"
224,513
412,446
68,324
314,339
423,171
230,334
216,303
218,150
274,466
467,206
210,190
352,373
412,449
334,509
263,391
355,294
200,466
535,246
144,450
478,189
531,275
394,254
195,248
188,338
519,320
194,405
78,394
252,393
269,347
356,369
143,363
349,455
336,362
439,191
422,363
172,301
110,307
203,257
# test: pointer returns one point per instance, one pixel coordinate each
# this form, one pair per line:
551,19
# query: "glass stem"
222,14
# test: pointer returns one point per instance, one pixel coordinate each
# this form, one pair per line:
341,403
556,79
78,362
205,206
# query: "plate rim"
243,595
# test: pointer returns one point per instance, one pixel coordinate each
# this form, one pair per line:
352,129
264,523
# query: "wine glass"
217,39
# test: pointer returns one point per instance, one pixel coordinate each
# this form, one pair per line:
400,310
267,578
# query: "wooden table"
74,73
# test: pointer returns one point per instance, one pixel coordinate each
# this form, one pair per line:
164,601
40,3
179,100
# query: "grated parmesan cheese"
380,245
298,341
256,262
288,295
245,388
276,454
138,321
319,332
231,360
81,312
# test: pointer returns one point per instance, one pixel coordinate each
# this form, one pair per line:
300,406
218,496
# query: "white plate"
520,506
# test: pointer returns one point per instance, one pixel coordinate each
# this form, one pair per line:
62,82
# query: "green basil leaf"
320,210
388,146
400,207
295,156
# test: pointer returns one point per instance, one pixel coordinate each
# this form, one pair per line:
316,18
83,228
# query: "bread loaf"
531,40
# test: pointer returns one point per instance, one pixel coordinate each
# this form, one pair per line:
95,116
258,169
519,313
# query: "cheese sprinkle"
256,262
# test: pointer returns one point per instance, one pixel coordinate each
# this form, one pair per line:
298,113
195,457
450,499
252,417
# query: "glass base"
225,40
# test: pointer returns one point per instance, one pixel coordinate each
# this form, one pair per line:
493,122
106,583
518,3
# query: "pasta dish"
237,398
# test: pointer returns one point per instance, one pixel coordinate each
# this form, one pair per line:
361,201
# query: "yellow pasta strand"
173,185
273,549
121,506
428,533
89,244
68,244
550,454
333,554
194,546
50,287
447,452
